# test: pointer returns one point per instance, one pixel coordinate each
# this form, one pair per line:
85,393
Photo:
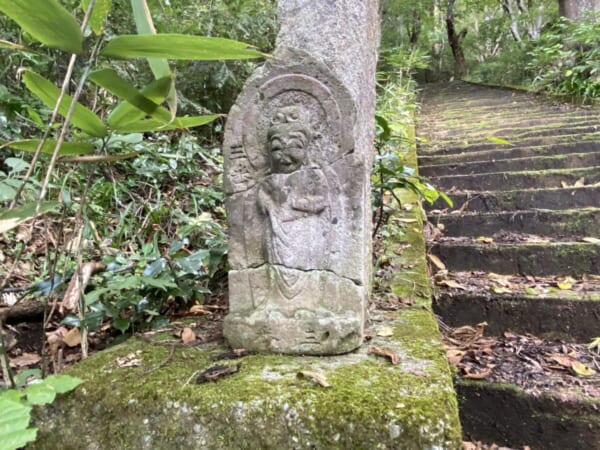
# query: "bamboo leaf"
147,125
99,13
112,82
12,218
125,112
48,93
178,46
67,148
159,66
47,21
11,45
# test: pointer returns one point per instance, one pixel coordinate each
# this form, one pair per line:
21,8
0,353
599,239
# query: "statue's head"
288,138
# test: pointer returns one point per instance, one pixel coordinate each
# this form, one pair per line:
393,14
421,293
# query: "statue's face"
288,150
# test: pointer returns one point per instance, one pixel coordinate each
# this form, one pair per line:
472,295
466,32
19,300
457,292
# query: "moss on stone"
371,403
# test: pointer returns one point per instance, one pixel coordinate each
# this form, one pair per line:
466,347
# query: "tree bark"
455,40
573,9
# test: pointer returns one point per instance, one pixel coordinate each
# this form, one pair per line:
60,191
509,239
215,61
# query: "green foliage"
16,405
567,60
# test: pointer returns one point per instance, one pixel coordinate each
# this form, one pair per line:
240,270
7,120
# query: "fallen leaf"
215,372
419,373
385,352
564,184
563,360
581,369
453,284
591,240
594,344
580,182
72,337
77,286
130,360
500,290
437,262
564,286
485,240
385,332
188,336
199,310
25,360
314,377
455,356
477,375
531,291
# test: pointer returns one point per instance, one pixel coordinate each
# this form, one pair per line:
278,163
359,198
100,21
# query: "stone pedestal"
298,152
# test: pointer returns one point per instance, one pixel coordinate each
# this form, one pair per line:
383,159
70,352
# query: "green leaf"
113,83
14,420
62,383
159,66
48,93
67,148
12,218
497,140
125,112
47,21
143,126
178,46
99,13
40,394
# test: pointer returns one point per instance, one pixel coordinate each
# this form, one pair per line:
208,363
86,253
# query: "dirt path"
520,250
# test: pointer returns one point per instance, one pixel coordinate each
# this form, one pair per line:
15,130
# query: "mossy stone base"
371,403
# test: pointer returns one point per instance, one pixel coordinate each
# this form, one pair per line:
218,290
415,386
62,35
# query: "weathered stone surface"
298,151
371,403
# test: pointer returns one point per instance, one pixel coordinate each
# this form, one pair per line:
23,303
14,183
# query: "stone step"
519,119
536,259
558,314
517,132
518,180
523,199
570,161
507,415
509,153
572,222
479,145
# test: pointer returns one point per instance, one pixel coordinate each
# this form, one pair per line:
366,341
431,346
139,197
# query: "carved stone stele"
295,201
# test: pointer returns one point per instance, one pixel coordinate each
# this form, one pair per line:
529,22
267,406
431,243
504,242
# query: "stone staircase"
520,250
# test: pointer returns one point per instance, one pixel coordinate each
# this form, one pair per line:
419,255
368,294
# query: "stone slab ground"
519,253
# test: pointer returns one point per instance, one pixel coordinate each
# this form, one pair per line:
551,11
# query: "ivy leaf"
14,421
62,383
48,93
47,21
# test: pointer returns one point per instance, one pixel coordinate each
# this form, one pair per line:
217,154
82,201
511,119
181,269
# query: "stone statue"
292,203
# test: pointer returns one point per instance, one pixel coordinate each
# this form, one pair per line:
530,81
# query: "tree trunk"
573,9
455,40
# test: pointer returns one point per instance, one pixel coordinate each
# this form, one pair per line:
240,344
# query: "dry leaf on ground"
187,335
215,372
437,262
25,360
385,352
314,377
